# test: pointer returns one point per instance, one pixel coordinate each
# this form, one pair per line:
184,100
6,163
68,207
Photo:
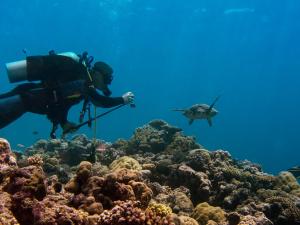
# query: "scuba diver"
63,80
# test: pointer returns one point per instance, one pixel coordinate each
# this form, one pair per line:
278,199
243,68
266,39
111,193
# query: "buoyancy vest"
63,67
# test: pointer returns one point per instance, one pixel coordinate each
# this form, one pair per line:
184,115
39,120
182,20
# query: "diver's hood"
107,72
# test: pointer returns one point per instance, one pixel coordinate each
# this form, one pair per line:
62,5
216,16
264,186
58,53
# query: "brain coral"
205,212
125,162
287,182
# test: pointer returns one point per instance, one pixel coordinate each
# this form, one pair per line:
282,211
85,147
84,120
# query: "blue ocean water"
173,54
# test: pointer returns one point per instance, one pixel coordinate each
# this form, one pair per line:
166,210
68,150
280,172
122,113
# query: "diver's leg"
7,94
11,108
20,89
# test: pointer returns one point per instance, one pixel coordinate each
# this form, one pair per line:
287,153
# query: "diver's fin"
214,102
209,121
191,121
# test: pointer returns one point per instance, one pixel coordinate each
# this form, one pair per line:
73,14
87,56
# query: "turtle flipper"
191,121
212,105
209,121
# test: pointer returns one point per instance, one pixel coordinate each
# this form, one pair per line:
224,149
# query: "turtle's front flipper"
191,121
212,105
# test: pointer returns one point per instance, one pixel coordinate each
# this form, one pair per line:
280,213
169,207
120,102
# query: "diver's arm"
103,101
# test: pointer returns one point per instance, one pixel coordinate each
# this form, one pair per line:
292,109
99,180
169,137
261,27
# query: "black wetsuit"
64,83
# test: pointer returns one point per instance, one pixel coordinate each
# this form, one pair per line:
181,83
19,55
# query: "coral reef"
155,177
158,136
72,152
111,152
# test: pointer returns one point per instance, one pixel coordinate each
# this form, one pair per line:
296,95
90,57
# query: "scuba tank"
18,71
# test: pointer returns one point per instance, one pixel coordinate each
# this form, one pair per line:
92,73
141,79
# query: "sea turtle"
200,111
295,171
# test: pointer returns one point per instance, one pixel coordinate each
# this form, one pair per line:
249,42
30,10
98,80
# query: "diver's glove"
69,127
128,98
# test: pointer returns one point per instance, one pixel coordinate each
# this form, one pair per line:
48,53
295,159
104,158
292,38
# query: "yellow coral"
160,209
205,212
125,162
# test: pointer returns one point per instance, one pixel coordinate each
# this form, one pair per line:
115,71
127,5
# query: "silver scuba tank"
17,71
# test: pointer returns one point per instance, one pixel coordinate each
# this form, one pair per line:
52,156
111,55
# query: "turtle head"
213,112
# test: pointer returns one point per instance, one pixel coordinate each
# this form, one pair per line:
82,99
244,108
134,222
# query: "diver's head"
102,77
